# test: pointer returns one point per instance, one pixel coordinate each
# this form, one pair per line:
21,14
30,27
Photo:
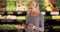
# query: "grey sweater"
38,21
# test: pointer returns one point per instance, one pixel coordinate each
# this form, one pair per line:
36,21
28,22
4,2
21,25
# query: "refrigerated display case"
12,15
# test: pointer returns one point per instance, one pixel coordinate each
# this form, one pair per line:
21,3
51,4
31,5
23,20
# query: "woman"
34,19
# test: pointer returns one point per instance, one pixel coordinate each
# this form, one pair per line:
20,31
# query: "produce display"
13,14
11,5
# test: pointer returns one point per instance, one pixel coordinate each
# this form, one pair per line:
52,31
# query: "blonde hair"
32,3
35,5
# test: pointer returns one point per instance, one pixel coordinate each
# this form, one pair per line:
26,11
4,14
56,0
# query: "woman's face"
33,11
32,8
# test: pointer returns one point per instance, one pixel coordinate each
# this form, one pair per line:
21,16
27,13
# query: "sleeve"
42,24
27,19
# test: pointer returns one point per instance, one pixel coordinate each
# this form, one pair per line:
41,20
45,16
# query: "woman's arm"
42,24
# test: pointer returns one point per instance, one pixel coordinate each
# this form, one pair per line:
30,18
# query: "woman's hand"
23,26
32,28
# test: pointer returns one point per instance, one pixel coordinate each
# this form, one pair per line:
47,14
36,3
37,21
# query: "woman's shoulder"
40,14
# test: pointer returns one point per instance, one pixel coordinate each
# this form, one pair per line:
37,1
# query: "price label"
19,12
1,12
56,17
43,13
9,12
54,13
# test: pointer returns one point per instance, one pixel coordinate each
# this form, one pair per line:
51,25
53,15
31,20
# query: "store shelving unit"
9,17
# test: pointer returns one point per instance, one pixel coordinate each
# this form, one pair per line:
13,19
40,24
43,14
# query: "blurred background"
13,13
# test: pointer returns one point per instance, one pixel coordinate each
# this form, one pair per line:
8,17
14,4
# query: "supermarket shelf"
10,27
56,28
12,21
23,17
24,13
